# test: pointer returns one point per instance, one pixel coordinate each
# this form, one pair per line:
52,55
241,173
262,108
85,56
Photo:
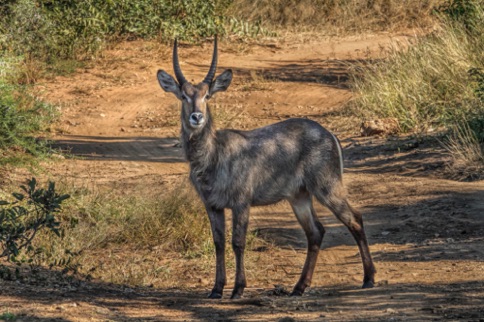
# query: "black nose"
196,117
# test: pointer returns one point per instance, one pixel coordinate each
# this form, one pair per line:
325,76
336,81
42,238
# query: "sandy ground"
425,232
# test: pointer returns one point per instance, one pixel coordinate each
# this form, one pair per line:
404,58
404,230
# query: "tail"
340,153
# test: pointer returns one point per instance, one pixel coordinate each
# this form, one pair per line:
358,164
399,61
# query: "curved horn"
176,65
213,67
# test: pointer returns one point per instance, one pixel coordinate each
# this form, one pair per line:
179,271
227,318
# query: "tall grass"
467,154
94,221
22,116
434,83
337,16
175,220
144,232
424,86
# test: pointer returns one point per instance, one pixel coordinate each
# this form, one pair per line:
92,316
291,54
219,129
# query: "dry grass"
95,221
418,86
159,240
433,84
255,82
175,220
467,155
425,83
337,16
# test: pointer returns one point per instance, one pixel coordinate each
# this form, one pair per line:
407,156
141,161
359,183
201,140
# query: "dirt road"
426,233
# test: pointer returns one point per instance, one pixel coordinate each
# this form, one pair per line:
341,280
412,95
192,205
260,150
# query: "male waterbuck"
292,160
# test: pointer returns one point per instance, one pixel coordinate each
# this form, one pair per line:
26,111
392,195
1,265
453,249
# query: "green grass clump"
7,316
22,116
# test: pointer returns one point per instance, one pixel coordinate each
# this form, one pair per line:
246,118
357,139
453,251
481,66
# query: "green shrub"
33,210
467,12
48,30
28,32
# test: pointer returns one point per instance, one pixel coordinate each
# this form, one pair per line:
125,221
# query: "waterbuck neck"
199,145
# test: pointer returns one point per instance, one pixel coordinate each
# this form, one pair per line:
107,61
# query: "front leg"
240,222
217,222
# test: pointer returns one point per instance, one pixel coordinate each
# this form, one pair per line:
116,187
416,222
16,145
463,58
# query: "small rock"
102,310
72,123
385,233
58,156
380,126
102,115
203,281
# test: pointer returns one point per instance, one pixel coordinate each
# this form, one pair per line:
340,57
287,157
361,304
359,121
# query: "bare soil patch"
425,232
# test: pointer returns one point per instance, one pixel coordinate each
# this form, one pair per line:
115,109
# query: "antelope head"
194,98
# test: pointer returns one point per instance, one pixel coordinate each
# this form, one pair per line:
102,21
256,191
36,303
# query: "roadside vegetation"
22,117
435,84
154,231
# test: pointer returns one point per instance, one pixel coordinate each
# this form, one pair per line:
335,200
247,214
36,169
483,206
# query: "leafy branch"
34,209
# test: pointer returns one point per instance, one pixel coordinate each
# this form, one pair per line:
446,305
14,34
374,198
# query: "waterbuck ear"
168,83
221,83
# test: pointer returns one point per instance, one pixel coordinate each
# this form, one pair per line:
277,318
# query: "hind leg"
335,200
302,206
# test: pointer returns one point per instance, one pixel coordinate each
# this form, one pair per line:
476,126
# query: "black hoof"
368,284
235,296
296,293
215,295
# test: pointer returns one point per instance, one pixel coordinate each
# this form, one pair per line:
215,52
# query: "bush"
49,30
20,221
467,12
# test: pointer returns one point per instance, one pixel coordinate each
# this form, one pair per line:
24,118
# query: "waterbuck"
292,160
